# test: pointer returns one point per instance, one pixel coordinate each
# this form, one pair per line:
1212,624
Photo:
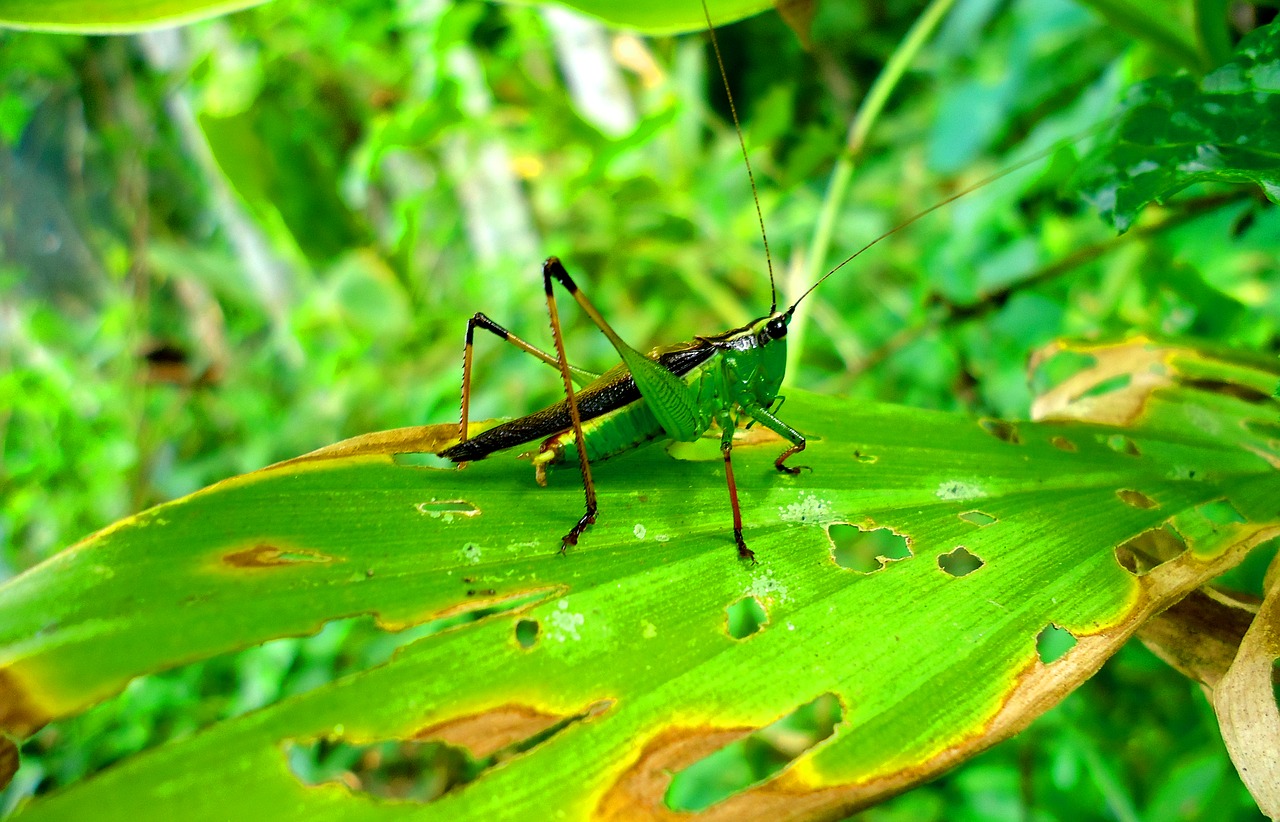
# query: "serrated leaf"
1176,131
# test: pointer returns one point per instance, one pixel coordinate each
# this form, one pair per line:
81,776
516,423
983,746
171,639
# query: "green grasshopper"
674,392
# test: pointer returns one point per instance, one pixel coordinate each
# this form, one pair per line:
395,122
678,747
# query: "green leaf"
596,674
662,16
111,16
1176,131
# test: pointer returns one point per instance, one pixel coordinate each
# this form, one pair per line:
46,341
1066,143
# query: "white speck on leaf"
660,538
647,629
764,586
957,490
564,624
808,509
471,553
639,531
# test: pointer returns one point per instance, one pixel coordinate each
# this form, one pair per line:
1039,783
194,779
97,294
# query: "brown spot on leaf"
1136,498
1064,444
489,599
1122,445
1002,430
488,732
264,555
638,791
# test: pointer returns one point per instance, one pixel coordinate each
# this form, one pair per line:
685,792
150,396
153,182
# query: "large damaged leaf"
909,582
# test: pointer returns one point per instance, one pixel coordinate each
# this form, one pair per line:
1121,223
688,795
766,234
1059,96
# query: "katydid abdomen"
615,417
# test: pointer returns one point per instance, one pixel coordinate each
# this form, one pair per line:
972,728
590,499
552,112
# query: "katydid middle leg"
727,427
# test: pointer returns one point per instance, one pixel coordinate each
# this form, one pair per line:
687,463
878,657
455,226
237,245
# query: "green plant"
960,345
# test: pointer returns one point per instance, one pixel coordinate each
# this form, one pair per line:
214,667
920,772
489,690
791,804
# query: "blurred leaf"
111,16
662,16
1048,509
1176,131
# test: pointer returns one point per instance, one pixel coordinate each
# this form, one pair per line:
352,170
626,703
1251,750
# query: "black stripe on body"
614,389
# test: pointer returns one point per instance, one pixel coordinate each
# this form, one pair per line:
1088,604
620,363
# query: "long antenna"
737,126
1034,158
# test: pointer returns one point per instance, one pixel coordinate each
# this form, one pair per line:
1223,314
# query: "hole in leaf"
1220,512
1058,367
747,762
1107,386
526,632
959,562
1064,444
436,759
745,617
394,769
447,509
1249,576
1150,549
1002,430
1053,643
1122,445
1136,498
866,550
978,518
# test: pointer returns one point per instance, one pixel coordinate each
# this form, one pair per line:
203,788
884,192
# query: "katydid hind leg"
670,400
483,321
549,268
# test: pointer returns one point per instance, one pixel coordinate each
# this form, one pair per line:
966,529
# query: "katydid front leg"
766,418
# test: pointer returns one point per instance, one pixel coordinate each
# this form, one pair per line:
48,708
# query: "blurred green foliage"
231,243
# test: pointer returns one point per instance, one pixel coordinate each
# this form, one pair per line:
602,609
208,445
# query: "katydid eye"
777,329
